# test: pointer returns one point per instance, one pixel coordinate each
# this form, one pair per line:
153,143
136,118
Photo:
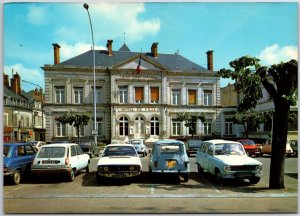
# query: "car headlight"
103,168
227,168
131,168
258,168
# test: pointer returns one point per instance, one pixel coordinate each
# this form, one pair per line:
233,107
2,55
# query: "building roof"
171,62
11,94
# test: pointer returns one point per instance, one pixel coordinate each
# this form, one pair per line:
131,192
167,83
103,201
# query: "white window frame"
60,129
154,124
98,94
123,94
228,127
139,101
176,93
5,119
176,128
60,95
207,101
207,127
78,95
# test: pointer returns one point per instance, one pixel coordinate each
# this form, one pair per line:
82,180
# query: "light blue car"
226,160
139,146
169,157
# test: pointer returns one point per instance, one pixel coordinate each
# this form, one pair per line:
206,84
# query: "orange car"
250,147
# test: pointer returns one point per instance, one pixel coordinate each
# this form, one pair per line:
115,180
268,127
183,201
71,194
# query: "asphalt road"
201,194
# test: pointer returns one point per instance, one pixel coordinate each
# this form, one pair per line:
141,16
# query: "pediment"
134,62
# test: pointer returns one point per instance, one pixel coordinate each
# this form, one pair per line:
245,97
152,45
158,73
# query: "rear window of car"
119,151
247,142
5,151
52,152
167,149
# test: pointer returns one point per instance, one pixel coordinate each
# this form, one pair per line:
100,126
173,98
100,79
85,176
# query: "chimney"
5,80
56,53
210,63
109,47
15,84
154,50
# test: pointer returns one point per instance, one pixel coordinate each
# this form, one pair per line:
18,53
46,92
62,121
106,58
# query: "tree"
251,119
280,81
191,120
75,119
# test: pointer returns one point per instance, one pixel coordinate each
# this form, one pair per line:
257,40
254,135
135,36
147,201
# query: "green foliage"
75,119
191,119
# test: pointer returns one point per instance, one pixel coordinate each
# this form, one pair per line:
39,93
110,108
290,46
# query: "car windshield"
51,152
5,151
229,149
247,142
167,149
119,151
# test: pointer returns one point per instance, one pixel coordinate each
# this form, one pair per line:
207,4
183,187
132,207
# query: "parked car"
226,160
17,160
192,146
118,161
294,146
139,146
89,147
62,158
169,156
37,144
250,147
266,148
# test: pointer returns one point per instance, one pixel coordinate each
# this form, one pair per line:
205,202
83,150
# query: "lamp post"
94,132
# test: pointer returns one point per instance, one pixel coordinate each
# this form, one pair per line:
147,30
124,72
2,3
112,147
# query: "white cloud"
124,17
36,15
28,74
275,54
68,51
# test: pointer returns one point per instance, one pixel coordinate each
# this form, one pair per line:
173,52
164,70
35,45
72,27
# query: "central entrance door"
139,127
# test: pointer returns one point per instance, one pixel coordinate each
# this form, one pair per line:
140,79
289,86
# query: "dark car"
192,146
17,161
89,147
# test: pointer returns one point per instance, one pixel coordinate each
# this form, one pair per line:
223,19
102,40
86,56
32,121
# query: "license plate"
118,176
49,162
171,163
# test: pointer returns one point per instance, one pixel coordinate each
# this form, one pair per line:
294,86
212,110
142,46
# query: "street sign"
94,132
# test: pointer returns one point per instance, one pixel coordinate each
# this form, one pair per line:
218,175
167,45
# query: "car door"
74,159
82,158
202,159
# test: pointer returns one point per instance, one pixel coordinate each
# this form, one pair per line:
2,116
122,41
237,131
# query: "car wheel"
71,175
254,180
16,177
186,177
218,176
200,169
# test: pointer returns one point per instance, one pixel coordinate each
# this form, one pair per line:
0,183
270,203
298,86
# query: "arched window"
123,126
154,126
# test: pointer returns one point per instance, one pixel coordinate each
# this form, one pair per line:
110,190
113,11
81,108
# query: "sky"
268,31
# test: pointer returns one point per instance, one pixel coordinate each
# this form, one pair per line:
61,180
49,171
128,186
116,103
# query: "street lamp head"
86,6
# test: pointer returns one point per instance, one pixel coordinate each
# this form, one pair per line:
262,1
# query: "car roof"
16,144
60,144
120,144
217,141
168,141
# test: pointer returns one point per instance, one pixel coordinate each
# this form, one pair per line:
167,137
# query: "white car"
139,146
67,158
118,161
227,160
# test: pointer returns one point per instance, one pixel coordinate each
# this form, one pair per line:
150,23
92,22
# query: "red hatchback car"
249,146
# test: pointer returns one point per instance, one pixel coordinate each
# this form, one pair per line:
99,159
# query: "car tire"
218,176
186,177
200,169
254,180
71,175
16,177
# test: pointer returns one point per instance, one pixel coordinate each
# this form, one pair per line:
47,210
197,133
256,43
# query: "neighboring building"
19,111
132,103
230,100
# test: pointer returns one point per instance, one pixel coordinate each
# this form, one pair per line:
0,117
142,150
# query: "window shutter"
192,96
154,93
139,93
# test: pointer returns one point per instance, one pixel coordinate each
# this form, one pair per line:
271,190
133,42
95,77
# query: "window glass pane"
192,96
208,97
